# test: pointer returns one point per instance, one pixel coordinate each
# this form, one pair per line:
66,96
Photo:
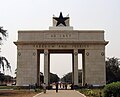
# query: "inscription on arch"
61,36
43,46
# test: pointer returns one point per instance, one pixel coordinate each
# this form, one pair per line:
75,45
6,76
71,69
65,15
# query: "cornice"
61,42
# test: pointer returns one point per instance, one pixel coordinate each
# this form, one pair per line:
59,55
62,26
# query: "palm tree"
3,60
3,33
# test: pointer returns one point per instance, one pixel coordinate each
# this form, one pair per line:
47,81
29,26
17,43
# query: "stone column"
75,66
46,71
83,68
48,68
38,68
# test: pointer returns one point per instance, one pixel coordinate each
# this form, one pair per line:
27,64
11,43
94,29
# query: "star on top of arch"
61,19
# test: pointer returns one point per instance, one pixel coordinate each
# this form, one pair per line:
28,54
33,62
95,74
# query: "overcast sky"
37,15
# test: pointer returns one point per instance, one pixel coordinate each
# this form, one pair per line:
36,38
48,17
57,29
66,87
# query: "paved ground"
61,93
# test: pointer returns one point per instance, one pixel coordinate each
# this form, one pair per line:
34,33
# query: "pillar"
26,67
38,68
95,67
46,67
75,66
83,68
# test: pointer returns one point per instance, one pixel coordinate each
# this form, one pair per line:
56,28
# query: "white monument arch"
61,38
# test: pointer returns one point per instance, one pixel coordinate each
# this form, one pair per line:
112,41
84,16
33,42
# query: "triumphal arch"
61,38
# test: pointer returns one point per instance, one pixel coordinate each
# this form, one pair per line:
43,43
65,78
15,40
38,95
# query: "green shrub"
112,90
6,87
38,90
91,92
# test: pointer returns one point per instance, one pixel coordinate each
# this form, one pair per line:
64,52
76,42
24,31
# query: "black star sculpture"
61,19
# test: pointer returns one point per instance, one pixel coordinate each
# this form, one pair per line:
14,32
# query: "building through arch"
61,38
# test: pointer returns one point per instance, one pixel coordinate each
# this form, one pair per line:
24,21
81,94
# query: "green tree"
5,78
68,77
54,78
2,77
3,61
112,70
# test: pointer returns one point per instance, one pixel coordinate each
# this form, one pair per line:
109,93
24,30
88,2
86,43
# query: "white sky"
37,15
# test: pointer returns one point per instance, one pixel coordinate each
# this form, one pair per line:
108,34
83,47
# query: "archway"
61,38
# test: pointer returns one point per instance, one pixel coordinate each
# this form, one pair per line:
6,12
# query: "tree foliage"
54,78
112,90
3,61
68,77
112,70
41,77
3,33
5,78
